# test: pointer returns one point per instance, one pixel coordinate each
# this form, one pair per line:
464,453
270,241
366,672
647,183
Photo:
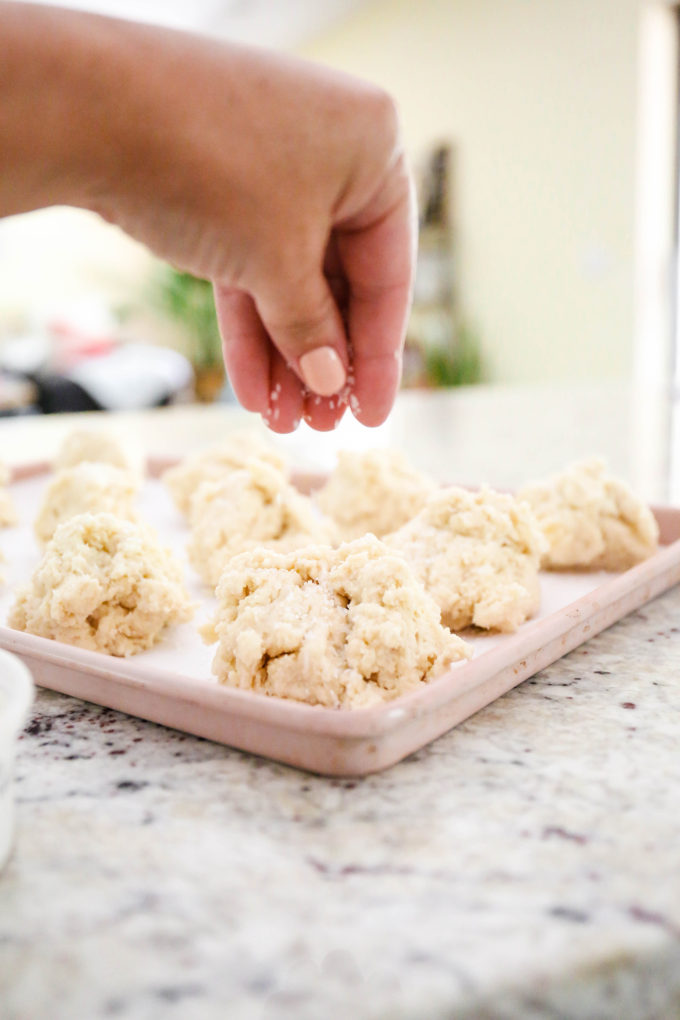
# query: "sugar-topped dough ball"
94,445
251,507
376,491
477,554
87,487
591,520
346,627
8,514
218,461
105,584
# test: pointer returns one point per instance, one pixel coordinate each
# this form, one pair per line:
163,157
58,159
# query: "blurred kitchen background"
544,137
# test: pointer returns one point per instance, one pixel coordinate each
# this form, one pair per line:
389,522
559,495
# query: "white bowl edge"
16,693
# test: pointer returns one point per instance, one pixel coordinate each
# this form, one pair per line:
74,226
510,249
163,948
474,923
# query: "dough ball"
216,463
477,554
344,627
8,514
87,487
591,520
91,445
376,491
251,507
104,584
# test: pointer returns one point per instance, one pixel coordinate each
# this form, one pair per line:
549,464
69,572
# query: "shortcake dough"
591,520
104,584
477,554
251,507
216,463
345,627
90,445
374,491
8,514
87,487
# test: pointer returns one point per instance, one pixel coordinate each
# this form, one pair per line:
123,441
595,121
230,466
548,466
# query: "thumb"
303,321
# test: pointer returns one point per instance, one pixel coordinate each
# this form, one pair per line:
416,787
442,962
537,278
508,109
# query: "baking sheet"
172,683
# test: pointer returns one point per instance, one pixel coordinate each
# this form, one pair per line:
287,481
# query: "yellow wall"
539,98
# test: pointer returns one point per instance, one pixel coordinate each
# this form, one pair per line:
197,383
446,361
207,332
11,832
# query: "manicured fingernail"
323,371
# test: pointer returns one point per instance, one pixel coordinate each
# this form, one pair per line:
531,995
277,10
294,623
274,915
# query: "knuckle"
384,113
303,322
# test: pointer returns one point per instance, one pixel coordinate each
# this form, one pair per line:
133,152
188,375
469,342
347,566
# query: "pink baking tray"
173,686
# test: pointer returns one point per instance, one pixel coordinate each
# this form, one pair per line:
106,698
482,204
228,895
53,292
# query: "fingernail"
323,371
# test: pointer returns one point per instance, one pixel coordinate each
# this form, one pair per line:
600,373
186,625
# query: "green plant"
189,301
455,364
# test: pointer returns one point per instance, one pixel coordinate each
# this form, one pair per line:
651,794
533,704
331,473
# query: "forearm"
124,117
48,129
87,111
101,112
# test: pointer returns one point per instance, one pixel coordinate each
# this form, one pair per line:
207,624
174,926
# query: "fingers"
324,413
262,381
302,319
245,346
286,397
286,347
378,259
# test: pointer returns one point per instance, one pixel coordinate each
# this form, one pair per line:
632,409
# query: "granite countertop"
522,866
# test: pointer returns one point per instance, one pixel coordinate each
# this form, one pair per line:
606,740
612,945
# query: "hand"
282,182
286,186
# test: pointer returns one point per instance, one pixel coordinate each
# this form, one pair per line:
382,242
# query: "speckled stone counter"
525,865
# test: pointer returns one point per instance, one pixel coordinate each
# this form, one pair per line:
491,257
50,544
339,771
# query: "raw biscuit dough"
591,520
104,584
216,463
477,554
346,627
252,507
376,491
87,487
8,514
90,445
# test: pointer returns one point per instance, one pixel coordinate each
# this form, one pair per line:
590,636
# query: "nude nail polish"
323,371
